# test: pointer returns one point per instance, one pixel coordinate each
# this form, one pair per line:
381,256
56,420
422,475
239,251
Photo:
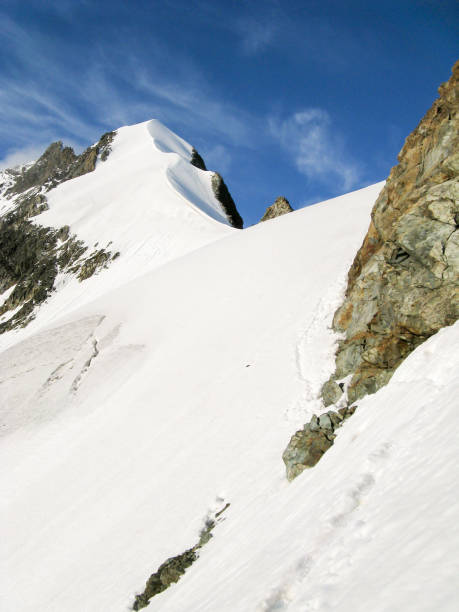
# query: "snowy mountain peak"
140,195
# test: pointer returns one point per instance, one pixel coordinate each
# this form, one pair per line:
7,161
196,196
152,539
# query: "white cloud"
255,35
21,156
317,149
45,99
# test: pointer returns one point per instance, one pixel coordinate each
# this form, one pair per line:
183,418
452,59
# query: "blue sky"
303,99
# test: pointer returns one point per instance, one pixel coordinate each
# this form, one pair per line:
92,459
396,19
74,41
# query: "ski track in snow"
330,550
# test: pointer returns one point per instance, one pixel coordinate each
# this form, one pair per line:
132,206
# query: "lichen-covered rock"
224,197
403,285
331,393
168,573
280,207
307,445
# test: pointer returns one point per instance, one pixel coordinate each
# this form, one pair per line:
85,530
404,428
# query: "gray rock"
325,422
331,392
308,445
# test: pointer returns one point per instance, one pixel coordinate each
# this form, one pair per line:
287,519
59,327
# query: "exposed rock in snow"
280,207
173,568
307,445
224,197
196,160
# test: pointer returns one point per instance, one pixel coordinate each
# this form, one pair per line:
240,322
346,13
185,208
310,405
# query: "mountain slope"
146,411
157,397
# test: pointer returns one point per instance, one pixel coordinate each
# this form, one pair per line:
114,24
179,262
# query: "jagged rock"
224,197
86,162
54,162
280,207
196,160
59,164
168,573
173,569
307,445
331,393
403,284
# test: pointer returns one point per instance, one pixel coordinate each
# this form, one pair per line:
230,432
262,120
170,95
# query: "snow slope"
140,410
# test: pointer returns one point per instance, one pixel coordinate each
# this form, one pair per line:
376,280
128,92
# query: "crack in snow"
77,380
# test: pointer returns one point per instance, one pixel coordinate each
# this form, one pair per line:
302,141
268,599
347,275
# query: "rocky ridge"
403,284
224,197
280,207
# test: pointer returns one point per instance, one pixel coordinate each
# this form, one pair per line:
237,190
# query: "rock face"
224,197
403,284
280,207
196,160
59,164
220,190
307,445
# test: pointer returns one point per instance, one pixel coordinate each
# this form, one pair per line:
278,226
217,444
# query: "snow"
142,400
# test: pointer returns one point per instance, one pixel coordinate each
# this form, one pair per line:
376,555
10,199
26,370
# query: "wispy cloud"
317,148
16,157
217,157
255,35
45,96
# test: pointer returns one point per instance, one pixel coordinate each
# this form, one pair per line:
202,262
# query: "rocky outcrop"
168,573
52,166
224,197
280,207
403,284
173,568
196,160
308,445
220,190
